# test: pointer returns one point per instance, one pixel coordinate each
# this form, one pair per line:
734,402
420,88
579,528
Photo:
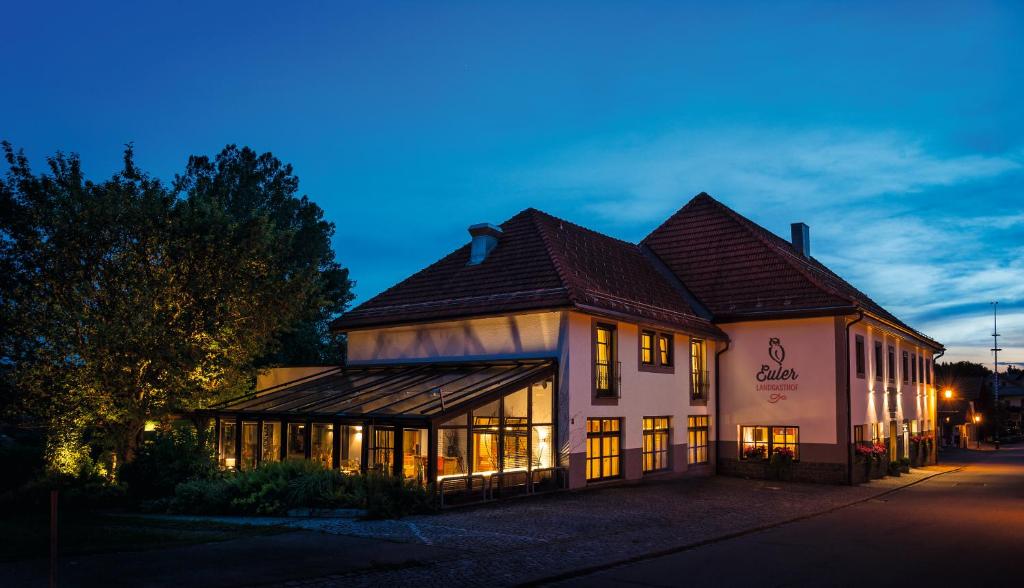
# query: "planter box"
879,468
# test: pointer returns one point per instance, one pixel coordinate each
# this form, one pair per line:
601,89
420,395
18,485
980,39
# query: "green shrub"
171,458
277,487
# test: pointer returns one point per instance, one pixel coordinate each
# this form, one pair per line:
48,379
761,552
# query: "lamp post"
977,433
946,434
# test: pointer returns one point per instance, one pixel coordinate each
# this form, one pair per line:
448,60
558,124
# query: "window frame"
859,366
858,434
891,364
694,429
647,351
656,428
913,368
612,392
769,443
656,363
928,370
879,362
601,434
700,380
905,375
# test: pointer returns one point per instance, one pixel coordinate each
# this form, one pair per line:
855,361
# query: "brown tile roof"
739,269
540,262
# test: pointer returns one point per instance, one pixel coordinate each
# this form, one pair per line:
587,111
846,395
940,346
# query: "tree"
127,300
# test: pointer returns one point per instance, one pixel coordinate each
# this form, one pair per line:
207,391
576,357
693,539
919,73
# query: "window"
248,446
296,441
860,356
892,364
786,438
322,444
913,368
603,449
271,441
647,348
604,361
905,371
698,369
665,349
382,449
756,444
878,361
227,444
877,432
858,433
920,369
698,429
656,444
928,371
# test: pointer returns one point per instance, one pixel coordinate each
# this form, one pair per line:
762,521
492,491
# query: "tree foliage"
127,300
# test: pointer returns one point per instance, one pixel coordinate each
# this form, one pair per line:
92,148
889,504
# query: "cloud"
906,224
642,179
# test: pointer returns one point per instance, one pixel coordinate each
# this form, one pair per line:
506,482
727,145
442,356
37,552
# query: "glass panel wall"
322,444
271,441
351,448
296,441
486,430
541,442
382,449
451,452
414,454
228,430
515,427
249,438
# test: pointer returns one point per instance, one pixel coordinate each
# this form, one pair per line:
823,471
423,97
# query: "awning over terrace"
414,392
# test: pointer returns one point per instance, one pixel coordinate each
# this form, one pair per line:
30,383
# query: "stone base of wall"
801,471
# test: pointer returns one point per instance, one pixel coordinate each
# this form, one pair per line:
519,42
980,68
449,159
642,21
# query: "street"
961,528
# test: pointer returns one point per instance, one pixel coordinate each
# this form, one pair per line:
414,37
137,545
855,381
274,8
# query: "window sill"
698,401
656,369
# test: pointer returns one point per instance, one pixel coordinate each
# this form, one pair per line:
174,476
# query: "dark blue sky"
895,132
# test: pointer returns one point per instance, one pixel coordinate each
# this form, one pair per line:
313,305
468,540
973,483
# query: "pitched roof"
739,269
540,262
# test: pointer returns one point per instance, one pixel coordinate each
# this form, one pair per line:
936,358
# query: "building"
542,352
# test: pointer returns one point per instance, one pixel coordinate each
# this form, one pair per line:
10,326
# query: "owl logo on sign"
776,351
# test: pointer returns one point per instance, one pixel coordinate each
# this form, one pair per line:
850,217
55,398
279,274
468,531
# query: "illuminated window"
604,361
858,433
414,455
754,443
697,426
296,441
877,432
486,438
757,444
516,429
351,449
228,443
322,444
382,449
860,356
698,369
249,438
647,348
878,361
655,444
665,349
603,449
271,441
786,437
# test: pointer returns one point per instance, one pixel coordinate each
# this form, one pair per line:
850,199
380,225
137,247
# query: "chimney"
801,238
485,238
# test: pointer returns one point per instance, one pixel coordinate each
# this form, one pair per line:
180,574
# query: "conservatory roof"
408,391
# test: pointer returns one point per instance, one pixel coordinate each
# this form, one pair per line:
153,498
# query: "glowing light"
150,426
977,418
948,393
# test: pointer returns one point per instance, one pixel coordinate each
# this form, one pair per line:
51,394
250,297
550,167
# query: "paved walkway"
960,529
505,543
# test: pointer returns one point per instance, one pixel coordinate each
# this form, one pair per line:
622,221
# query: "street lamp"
948,393
977,433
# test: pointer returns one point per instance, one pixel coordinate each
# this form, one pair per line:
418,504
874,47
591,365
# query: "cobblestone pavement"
527,540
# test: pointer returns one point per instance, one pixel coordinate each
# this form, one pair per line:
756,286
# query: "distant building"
544,352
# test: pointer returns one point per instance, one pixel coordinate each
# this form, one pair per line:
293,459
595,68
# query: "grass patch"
27,536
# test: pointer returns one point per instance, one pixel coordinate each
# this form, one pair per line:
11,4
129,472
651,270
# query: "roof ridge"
550,216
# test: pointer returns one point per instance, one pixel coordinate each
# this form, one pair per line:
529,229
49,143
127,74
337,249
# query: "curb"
586,571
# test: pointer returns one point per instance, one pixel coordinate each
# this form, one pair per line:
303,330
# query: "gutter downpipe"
718,403
935,419
849,401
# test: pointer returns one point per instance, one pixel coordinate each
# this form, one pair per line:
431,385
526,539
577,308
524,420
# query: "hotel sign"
776,379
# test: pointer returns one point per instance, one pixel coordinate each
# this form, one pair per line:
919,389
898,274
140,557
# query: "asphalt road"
964,528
